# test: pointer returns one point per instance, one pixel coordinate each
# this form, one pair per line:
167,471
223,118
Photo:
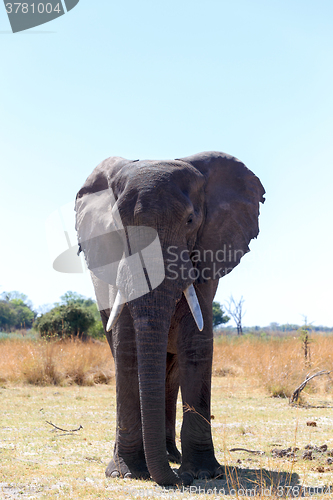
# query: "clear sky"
158,80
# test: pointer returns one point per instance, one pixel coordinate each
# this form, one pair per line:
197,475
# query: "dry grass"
55,363
41,462
277,364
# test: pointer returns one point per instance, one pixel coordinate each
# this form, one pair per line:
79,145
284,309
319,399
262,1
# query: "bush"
96,330
65,321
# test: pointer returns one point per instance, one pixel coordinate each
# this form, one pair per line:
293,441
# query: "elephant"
157,236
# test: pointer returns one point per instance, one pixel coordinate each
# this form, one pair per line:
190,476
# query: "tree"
7,316
219,317
65,321
75,298
235,309
8,296
15,295
25,316
16,311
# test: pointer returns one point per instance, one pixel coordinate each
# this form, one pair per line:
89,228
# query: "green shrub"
96,331
65,321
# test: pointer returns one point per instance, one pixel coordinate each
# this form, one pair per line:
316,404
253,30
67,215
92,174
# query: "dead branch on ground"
256,452
295,395
64,430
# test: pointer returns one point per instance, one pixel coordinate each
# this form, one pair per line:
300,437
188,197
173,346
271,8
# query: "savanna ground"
71,385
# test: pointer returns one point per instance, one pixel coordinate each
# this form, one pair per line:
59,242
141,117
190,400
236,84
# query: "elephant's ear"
100,177
97,217
232,197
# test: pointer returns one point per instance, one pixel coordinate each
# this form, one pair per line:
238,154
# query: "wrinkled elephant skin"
157,237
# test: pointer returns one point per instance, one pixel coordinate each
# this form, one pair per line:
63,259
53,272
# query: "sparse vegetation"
63,362
276,364
252,376
38,461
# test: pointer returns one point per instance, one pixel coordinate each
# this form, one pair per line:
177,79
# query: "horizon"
221,326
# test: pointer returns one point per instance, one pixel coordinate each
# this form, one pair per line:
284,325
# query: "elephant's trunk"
152,315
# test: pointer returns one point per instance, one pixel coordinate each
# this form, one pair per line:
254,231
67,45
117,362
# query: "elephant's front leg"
195,351
128,457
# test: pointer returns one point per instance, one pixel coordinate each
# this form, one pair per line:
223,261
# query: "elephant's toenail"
186,478
115,473
204,474
128,475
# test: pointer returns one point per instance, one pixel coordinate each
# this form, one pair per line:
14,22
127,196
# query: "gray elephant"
157,236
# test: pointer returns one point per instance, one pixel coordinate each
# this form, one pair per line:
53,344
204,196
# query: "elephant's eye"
190,219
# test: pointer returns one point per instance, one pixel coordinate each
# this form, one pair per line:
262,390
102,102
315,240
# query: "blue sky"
165,80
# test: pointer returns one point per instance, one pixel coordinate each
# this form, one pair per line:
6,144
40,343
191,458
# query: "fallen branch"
63,430
256,452
296,393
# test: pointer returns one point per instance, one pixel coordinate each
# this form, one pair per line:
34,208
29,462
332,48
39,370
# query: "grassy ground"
38,461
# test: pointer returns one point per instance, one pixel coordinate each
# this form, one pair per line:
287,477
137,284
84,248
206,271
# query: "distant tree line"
15,311
74,315
276,329
290,327
77,316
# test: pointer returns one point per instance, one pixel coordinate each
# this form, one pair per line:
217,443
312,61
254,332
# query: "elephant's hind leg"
171,394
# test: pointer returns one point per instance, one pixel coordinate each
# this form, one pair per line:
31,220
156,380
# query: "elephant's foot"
202,469
118,467
173,453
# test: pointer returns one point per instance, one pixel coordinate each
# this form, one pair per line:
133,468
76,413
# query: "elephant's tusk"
194,306
116,310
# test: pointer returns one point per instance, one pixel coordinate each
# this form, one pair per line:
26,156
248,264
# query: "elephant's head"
150,230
